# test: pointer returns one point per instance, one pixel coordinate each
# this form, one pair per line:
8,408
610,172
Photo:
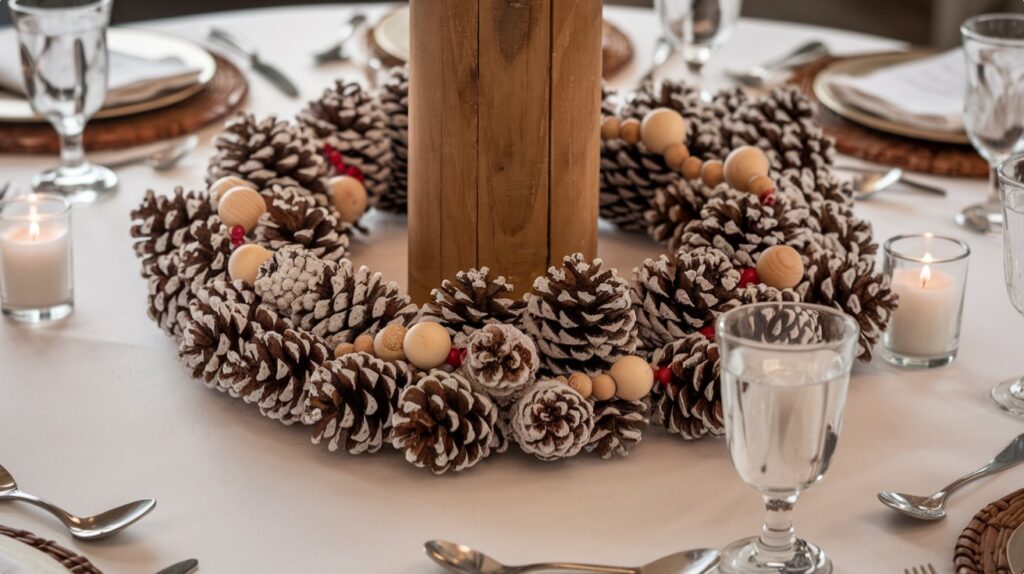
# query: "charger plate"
981,549
41,555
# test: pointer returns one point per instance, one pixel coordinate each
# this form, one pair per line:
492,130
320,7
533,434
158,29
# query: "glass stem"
72,152
777,542
993,185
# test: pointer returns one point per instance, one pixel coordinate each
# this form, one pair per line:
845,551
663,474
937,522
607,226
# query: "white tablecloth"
95,411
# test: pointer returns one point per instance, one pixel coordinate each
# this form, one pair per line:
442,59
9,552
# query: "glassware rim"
967,31
65,207
851,330
888,247
1004,176
18,6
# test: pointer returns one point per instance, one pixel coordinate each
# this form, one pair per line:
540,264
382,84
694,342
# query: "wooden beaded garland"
610,128
244,263
780,266
712,173
582,384
389,342
364,344
661,128
629,131
427,345
675,155
225,184
633,378
760,185
348,195
241,206
692,167
742,164
603,387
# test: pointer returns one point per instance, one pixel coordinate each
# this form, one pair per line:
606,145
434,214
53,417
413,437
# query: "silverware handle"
921,186
231,41
804,53
571,567
67,518
1010,456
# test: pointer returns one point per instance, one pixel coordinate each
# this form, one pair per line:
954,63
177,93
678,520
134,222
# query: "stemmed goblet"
1009,395
785,371
697,28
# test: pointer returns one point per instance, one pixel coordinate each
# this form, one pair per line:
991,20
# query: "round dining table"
95,410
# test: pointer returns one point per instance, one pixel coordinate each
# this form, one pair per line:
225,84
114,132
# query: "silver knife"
268,71
183,567
337,51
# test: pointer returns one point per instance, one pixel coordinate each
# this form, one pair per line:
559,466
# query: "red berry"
663,375
708,331
455,357
237,241
769,198
748,275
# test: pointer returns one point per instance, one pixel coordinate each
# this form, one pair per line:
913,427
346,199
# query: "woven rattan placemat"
981,547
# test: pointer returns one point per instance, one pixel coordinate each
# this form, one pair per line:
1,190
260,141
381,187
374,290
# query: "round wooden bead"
760,185
427,345
633,378
364,344
780,266
711,173
610,128
629,131
244,263
661,128
388,343
744,163
241,206
692,167
348,195
226,184
344,349
603,387
675,155
582,384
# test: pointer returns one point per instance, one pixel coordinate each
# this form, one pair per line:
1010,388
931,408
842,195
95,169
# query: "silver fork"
922,569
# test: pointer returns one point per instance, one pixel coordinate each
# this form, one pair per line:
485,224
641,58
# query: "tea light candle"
924,319
35,258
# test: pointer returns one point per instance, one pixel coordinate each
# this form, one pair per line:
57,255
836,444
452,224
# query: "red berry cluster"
456,357
334,156
769,198
237,236
748,276
663,375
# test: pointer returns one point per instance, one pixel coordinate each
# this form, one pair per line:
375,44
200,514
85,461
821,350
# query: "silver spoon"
934,507
162,159
868,182
85,528
759,75
465,560
337,52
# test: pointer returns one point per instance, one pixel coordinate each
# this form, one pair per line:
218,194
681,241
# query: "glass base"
55,313
981,217
86,183
1009,396
910,362
741,557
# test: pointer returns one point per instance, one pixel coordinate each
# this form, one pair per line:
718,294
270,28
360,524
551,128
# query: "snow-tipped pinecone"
841,233
618,426
580,316
675,296
502,361
782,324
294,218
552,421
278,368
267,152
352,122
809,186
674,206
442,424
703,119
851,285
630,177
294,281
351,400
761,293
690,404
474,299
205,257
394,101
160,223
168,294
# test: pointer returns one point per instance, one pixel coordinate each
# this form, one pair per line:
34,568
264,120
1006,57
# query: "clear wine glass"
697,28
785,370
63,45
1009,395
994,103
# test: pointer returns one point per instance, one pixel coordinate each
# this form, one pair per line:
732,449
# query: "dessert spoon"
759,75
464,560
868,182
85,528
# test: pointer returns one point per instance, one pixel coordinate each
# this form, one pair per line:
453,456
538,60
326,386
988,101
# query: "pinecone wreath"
352,122
502,361
351,400
278,367
675,205
394,101
581,317
205,258
472,300
167,293
294,281
618,426
552,421
442,424
294,218
267,152
690,403
160,225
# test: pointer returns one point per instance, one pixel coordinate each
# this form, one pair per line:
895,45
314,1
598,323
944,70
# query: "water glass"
1009,395
63,46
994,103
785,371
697,28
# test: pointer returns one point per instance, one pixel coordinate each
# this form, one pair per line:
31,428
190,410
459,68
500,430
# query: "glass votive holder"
35,258
929,273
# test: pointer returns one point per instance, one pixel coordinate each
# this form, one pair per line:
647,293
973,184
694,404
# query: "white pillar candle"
35,265
923,324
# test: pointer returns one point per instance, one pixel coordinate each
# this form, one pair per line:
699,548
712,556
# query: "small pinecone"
472,300
294,281
351,121
351,401
851,285
581,317
294,218
618,426
674,206
761,293
690,404
782,325
675,296
502,361
809,186
552,421
205,258
394,100
841,233
160,224
442,424
267,152
168,294
278,367
630,177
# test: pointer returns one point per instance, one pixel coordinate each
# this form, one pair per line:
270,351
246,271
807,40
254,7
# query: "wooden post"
504,130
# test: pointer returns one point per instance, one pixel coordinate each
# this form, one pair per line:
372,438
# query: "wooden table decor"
504,136
981,549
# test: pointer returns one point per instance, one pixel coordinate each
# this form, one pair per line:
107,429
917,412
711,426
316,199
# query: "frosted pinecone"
295,218
394,101
552,421
279,366
502,361
473,299
618,426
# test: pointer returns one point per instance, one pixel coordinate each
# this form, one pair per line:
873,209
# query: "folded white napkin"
926,93
131,79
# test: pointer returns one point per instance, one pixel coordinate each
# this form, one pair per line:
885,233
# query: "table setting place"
600,275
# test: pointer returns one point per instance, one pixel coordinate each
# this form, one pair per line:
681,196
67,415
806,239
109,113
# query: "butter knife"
268,71
183,567
337,51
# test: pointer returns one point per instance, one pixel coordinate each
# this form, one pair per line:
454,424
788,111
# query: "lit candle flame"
33,217
926,275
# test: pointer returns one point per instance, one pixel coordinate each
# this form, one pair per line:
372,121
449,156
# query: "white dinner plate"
392,34
27,559
1015,551
141,44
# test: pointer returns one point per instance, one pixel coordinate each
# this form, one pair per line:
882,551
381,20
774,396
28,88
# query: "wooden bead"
760,185
780,266
744,163
661,128
604,387
244,263
427,345
610,128
582,384
241,206
364,344
388,343
344,349
711,173
629,131
225,184
692,167
675,155
348,195
633,378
